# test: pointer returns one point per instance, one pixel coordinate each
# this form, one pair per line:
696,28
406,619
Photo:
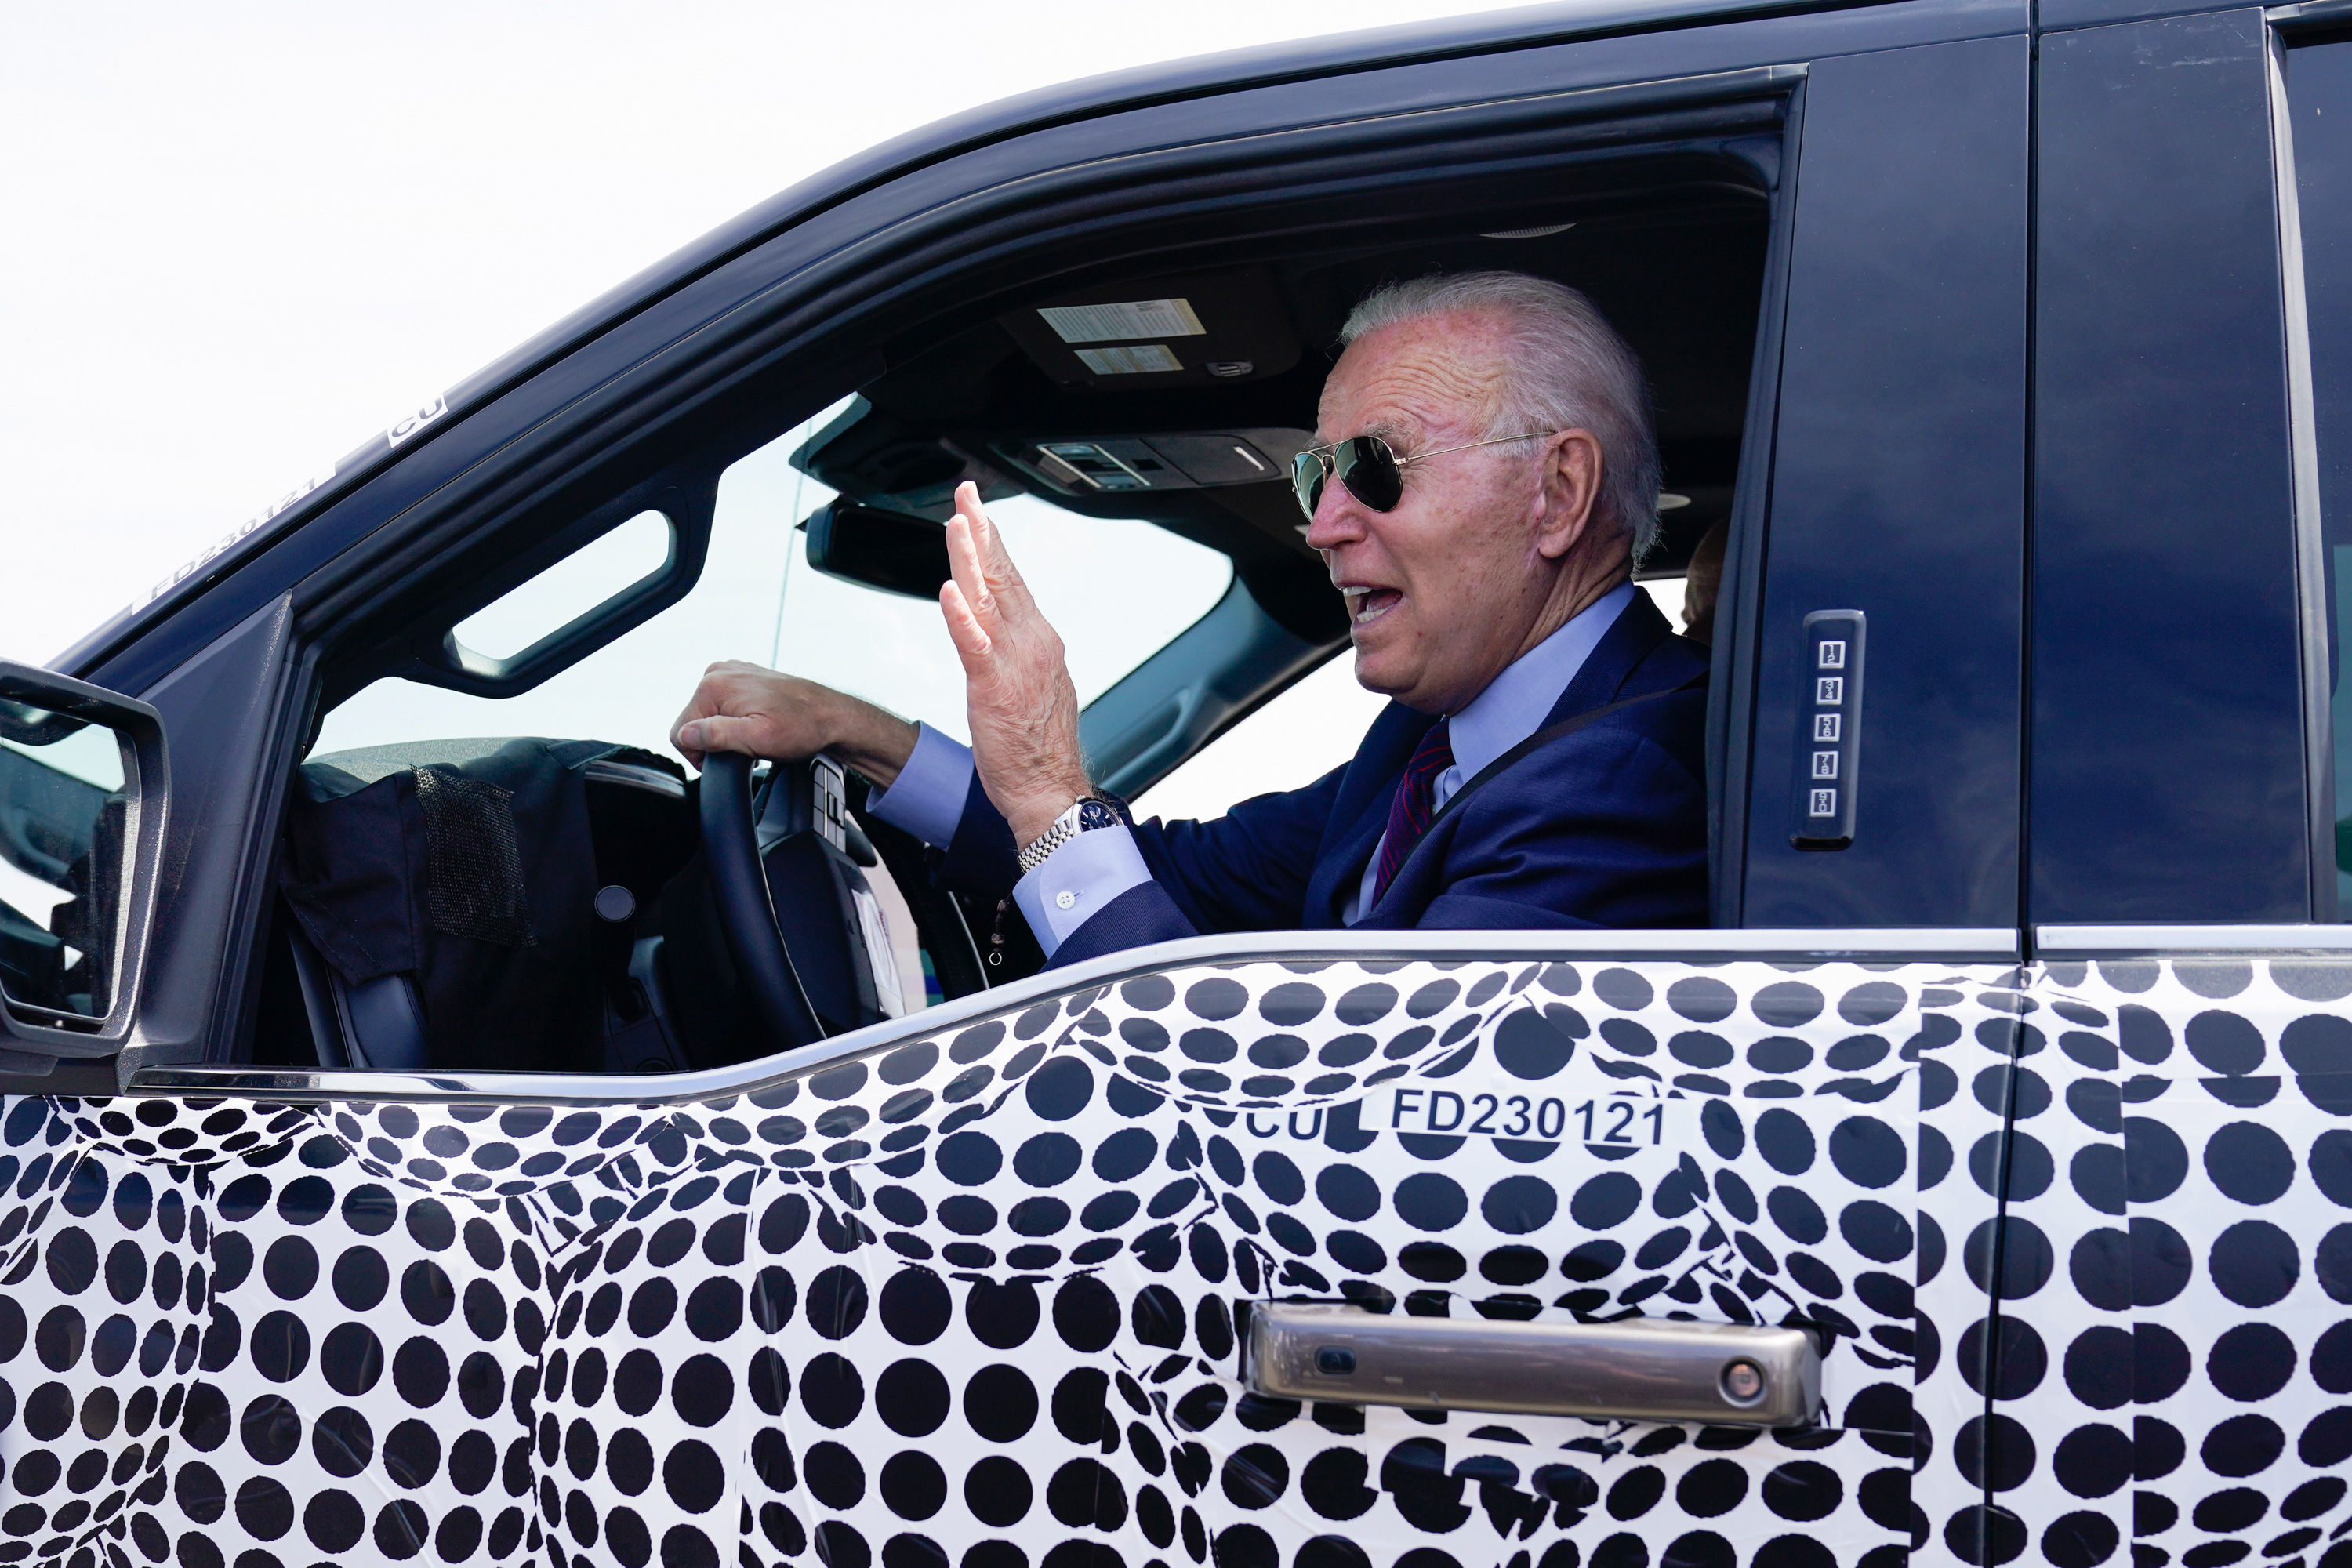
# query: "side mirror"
885,550
83,789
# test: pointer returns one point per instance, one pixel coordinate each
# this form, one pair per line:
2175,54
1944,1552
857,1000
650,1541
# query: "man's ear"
1572,492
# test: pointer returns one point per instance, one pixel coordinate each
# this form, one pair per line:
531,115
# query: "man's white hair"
1568,370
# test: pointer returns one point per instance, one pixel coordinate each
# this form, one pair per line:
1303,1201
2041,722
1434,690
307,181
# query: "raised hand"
1023,708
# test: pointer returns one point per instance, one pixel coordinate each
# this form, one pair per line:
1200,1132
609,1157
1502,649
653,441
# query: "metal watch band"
1068,825
1065,828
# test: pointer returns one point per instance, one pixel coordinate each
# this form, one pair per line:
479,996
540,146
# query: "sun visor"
873,457
1191,328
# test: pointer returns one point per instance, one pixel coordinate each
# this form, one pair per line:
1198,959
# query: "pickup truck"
439,1128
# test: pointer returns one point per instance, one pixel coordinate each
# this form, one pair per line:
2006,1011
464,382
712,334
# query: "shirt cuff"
926,799
1075,880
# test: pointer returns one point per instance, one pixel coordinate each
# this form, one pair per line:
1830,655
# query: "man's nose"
1338,519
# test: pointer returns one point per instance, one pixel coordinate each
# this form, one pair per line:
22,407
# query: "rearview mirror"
885,550
82,792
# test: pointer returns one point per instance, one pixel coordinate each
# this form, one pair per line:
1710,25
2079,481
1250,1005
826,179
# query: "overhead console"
1193,328
1082,466
1226,335
873,457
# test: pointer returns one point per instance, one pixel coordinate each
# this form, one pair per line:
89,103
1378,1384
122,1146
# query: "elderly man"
1488,479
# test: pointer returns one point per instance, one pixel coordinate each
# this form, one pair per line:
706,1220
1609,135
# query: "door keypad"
1827,731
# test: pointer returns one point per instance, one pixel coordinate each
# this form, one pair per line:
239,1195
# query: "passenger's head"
1491,549
1702,581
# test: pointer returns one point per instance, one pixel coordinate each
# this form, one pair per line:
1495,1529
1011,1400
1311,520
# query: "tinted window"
2171,765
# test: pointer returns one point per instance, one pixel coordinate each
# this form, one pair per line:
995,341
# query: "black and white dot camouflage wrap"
974,1299
2176,1380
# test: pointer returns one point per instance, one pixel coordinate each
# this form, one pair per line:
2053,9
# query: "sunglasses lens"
1306,482
1369,471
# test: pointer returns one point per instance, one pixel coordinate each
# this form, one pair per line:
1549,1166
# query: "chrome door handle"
1643,1369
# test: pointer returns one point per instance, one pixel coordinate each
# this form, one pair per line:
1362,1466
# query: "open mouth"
1367,605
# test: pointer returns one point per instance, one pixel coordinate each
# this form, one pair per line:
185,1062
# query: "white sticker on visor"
1135,318
1140,358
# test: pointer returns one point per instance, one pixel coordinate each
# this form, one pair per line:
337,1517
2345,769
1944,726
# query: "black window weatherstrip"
304,1086
2312,16
112,644
1738,645
751,301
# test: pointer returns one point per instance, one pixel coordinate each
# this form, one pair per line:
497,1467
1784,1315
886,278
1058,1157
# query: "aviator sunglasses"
1369,468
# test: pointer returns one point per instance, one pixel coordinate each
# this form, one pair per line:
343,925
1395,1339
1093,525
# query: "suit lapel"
1361,812
1608,674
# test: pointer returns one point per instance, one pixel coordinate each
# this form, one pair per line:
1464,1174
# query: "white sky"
242,234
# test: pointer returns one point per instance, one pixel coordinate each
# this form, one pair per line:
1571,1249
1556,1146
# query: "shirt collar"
1517,701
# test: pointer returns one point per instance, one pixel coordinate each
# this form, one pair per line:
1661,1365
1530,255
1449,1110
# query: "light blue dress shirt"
1093,868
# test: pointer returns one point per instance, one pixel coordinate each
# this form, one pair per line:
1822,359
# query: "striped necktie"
1410,813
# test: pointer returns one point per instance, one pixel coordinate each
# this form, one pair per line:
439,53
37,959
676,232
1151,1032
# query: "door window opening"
1145,517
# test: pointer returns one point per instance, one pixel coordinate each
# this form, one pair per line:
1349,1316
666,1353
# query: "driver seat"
441,896
378,1024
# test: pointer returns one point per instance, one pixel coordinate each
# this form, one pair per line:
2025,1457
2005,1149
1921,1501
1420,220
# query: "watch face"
1095,814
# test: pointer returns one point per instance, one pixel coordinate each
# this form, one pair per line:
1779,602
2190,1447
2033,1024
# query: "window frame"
1567,128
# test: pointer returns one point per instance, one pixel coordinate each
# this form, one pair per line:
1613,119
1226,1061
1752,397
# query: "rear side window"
2319,91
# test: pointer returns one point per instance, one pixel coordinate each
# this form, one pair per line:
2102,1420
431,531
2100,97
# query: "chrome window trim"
2310,544
2158,941
306,1085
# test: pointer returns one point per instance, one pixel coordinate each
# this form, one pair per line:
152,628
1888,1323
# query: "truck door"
973,1289
2179,1382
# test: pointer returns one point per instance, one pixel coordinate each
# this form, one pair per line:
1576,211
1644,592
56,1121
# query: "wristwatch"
1087,813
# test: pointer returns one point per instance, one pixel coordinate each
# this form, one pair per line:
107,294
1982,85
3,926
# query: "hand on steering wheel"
758,712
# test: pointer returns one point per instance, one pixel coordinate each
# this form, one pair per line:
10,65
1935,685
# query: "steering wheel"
747,914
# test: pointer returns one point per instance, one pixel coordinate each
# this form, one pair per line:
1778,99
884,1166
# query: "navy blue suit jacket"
1605,826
